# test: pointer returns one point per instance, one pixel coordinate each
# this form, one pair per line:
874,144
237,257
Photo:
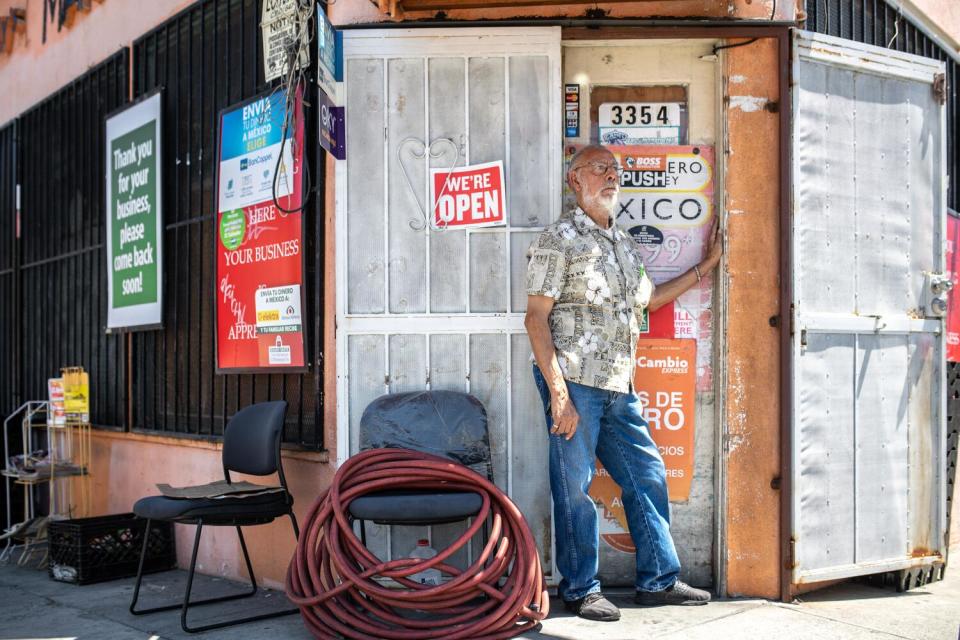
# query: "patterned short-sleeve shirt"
601,288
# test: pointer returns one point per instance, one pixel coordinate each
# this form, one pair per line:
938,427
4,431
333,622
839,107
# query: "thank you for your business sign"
134,216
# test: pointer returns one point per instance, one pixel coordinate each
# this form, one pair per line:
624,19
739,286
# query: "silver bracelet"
696,270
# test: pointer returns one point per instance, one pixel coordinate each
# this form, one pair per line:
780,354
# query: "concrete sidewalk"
35,607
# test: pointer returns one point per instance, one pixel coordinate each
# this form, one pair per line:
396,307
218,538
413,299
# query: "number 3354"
639,114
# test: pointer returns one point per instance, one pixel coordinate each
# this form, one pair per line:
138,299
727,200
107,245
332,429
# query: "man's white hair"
590,147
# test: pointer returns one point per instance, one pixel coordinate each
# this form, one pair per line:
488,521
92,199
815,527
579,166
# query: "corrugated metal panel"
869,208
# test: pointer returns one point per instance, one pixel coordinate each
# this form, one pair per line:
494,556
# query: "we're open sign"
471,196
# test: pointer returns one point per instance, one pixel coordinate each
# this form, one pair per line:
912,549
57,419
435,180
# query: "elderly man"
587,290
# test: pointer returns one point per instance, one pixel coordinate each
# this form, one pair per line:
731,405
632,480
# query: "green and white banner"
135,216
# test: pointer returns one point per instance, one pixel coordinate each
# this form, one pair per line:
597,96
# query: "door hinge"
940,87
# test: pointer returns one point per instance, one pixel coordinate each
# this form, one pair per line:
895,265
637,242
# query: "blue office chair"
450,424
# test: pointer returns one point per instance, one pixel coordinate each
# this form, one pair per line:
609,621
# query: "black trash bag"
444,423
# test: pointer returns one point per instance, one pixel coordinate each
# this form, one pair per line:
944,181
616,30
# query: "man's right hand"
565,416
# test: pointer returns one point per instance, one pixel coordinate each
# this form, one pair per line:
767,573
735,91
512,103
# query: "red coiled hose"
331,576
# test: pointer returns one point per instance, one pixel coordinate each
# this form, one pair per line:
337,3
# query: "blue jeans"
612,428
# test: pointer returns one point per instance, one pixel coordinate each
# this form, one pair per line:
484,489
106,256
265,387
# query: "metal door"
869,207
420,308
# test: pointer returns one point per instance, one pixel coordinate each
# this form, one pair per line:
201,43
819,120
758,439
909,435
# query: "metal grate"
9,395
207,58
61,261
878,23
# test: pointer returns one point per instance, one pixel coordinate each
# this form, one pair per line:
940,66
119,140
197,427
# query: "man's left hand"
715,251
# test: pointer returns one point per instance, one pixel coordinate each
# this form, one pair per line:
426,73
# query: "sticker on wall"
470,196
571,113
647,234
332,127
639,123
279,323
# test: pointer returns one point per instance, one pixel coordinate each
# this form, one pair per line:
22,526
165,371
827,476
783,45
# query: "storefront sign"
260,245
665,380
332,127
279,27
953,305
329,55
666,203
471,196
135,216
571,106
640,123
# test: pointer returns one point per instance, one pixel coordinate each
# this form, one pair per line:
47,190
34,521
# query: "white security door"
868,454
419,308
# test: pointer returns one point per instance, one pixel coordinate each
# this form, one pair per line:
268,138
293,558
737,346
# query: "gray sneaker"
593,607
680,594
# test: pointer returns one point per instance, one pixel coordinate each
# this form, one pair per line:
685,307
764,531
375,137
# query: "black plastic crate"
87,550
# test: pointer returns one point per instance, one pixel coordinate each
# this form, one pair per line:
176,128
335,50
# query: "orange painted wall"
943,13
36,69
752,445
126,467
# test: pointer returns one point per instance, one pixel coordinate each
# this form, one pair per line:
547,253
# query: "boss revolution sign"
260,237
134,216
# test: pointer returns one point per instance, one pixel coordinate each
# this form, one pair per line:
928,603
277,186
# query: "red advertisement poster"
260,245
953,305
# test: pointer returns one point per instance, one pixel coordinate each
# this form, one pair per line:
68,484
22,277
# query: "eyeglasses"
600,168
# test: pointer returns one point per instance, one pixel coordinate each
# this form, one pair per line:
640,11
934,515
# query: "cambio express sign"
134,216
